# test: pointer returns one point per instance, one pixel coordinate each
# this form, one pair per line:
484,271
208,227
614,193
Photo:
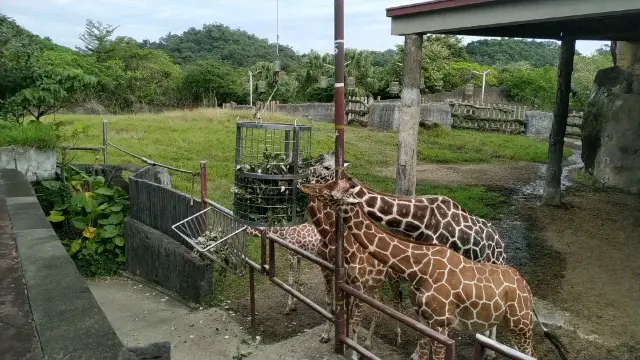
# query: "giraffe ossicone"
449,290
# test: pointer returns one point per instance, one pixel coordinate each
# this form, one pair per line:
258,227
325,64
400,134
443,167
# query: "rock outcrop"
611,124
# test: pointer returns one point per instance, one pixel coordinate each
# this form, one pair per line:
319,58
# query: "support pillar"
409,116
552,190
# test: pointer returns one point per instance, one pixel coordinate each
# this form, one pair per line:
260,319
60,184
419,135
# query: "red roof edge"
428,6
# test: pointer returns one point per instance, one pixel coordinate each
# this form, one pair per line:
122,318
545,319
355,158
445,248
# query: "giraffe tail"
555,341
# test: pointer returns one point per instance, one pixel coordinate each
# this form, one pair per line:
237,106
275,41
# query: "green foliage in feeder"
271,200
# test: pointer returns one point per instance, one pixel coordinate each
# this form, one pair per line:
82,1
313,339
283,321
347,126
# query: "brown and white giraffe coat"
449,290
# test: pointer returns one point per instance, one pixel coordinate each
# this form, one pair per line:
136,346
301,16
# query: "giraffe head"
335,192
322,169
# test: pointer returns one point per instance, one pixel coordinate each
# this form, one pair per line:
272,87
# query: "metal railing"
484,343
267,267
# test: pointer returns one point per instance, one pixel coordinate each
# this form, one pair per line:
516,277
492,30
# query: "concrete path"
142,314
17,331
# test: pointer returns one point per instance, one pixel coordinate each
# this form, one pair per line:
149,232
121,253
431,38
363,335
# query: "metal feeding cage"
215,233
271,159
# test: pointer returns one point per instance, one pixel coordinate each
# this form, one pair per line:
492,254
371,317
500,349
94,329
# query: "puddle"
536,188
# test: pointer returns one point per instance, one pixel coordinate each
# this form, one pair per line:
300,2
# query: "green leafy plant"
268,201
89,221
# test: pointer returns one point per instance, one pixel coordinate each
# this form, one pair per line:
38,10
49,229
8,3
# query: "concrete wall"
316,111
36,164
161,260
386,115
69,322
538,123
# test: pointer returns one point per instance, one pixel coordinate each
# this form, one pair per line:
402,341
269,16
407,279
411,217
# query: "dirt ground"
581,262
507,174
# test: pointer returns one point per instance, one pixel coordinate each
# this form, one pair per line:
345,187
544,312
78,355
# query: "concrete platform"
142,314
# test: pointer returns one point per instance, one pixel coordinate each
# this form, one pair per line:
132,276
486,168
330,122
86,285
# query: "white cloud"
304,25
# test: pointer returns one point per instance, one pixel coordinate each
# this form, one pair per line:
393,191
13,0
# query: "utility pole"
484,78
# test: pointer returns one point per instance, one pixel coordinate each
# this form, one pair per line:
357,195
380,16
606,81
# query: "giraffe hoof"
290,310
325,339
490,354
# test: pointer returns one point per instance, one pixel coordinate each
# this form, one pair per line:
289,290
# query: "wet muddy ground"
581,262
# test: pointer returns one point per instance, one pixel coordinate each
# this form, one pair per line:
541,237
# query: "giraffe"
363,273
448,290
303,236
427,218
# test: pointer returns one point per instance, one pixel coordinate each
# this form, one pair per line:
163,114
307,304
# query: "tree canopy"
115,73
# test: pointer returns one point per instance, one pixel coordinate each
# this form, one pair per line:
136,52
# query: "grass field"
182,139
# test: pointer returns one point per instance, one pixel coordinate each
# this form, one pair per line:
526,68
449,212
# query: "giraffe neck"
383,246
323,219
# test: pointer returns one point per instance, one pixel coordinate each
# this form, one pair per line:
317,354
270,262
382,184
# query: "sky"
303,25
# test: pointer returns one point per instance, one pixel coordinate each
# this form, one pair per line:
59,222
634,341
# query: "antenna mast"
276,64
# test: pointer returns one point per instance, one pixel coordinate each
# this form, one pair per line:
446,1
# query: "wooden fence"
159,207
500,118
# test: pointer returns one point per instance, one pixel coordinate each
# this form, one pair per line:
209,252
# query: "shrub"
88,217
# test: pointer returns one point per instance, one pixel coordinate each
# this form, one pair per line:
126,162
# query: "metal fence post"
105,142
203,184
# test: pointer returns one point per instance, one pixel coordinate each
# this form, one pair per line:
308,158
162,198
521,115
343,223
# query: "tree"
438,52
96,37
205,80
53,90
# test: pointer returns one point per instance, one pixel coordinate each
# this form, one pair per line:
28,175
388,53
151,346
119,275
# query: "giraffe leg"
293,273
491,333
356,321
523,339
397,304
422,350
328,287
439,350
376,314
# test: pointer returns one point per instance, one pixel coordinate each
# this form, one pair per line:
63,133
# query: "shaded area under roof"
535,19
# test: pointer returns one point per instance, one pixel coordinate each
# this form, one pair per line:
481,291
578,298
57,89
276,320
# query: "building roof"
539,19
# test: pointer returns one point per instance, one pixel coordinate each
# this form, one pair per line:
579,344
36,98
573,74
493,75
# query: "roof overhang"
535,19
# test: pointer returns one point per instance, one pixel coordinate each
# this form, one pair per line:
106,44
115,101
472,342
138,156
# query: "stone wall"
386,115
161,260
36,164
315,111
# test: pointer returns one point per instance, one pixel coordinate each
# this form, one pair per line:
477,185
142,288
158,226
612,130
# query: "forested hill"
220,42
497,51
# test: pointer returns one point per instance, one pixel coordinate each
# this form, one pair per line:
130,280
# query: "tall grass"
32,134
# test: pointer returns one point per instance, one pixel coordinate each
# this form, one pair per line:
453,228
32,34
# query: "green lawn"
182,139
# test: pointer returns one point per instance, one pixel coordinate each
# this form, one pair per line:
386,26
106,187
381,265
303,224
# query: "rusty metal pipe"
421,328
252,301
203,184
314,259
483,342
303,299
